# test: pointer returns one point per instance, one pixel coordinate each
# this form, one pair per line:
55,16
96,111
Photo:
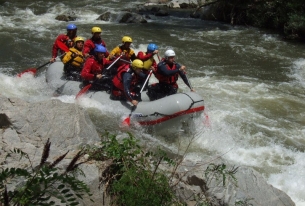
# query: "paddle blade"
62,46
126,122
29,71
83,91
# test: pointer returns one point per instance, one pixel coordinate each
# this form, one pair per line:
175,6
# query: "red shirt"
92,67
61,43
89,46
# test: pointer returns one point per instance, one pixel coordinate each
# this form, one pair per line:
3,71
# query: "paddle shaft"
146,80
114,62
148,76
188,82
43,65
48,62
123,60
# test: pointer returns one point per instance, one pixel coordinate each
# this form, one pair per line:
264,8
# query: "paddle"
146,80
86,88
34,70
117,59
158,57
126,121
123,60
83,91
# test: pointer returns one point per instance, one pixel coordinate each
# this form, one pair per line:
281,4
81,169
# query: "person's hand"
86,56
153,68
52,60
192,90
182,68
156,52
99,76
134,102
111,57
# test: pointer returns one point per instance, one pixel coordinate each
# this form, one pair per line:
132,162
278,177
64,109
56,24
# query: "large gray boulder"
250,187
27,126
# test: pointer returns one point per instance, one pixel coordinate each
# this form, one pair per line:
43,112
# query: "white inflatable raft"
171,111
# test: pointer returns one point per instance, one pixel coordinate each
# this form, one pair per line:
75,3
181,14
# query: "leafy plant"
219,171
133,177
43,184
244,202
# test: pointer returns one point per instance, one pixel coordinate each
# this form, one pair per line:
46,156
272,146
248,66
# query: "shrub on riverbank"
288,17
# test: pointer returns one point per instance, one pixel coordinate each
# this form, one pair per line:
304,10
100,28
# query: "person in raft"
64,41
148,60
127,82
91,43
73,60
167,73
94,70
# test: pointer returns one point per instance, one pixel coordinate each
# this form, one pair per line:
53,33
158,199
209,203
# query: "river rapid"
252,81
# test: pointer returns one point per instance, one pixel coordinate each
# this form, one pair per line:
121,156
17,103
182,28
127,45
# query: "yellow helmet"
137,64
126,39
78,38
96,29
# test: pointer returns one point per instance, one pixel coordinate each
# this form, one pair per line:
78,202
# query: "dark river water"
252,80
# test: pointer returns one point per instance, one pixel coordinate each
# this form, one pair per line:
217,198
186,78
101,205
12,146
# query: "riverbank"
28,126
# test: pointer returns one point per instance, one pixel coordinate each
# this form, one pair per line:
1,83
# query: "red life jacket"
167,79
118,80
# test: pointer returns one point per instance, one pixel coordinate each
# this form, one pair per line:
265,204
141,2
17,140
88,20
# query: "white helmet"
169,53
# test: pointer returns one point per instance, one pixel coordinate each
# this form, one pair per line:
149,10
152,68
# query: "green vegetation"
132,176
288,17
137,177
42,185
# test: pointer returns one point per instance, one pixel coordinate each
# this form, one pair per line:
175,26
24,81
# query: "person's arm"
132,55
86,71
184,78
144,57
55,47
143,75
88,46
166,72
114,53
127,78
182,74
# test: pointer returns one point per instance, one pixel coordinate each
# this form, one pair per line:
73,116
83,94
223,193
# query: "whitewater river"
252,81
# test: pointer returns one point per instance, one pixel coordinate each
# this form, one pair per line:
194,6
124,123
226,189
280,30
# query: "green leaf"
68,195
60,186
65,191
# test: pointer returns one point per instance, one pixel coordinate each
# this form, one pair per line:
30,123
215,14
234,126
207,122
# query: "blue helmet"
71,27
152,47
100,48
